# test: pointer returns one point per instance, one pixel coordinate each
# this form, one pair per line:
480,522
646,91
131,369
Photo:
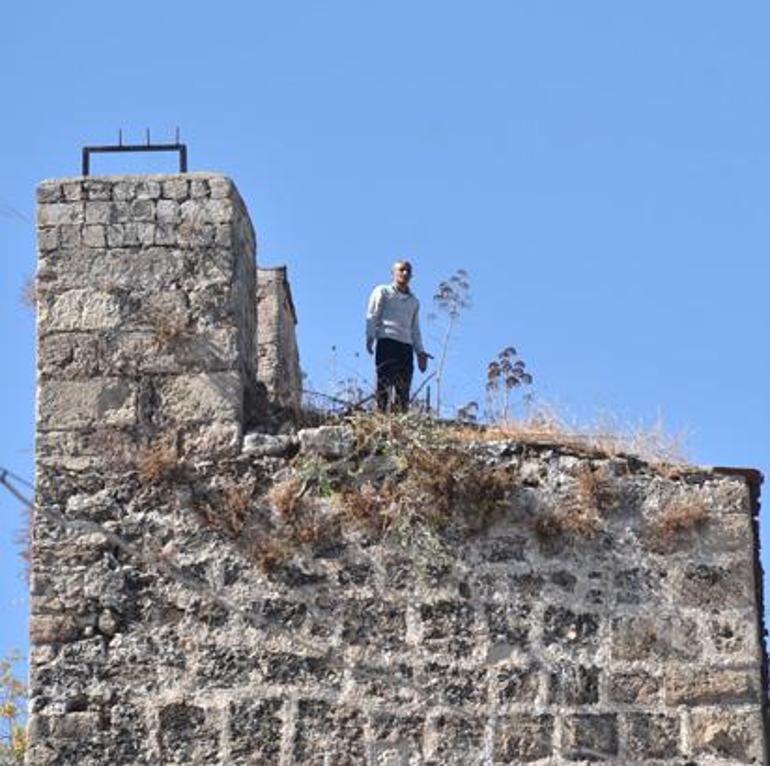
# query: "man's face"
401,275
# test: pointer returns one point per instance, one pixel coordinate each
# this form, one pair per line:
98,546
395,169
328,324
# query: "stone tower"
199,598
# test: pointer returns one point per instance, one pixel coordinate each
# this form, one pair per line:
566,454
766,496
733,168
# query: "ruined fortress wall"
198,597
277,353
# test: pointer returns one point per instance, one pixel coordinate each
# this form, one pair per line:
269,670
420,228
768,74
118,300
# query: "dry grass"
157,462
364,506
608,437
29,294
270,553
168,327
234,503
431,486
681,515
285,497
582,513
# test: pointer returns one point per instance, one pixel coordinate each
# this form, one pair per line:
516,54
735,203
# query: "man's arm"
373,313
416,334
422,355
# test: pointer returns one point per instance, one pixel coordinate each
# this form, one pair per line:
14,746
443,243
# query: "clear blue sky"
600,169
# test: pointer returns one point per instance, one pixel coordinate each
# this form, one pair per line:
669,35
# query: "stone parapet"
278,356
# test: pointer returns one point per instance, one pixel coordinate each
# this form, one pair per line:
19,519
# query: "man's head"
402,273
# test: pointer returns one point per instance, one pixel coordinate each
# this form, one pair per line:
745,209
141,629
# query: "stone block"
728,532
731,586
58,213
52,629
94,189
638,585
75,725
175,188
49,191
212,211
107,448
634,687
70,236
444,620
208,440
327,733
571,684
220,188
168,212
269,445
457,739
397,738
68,355
138,234
590,737
524,738
288,669
142,210
80,310
98,212
255,731
154,269
201,397
568,628
330,442
84,404
199,188
517,685
394,684
186,735
647,637
282,614
165,235
227,667
374,623
508,623
730,640
732,735
694,685
450,685
47,239
120,212
653,735
147,188
124,189
94,236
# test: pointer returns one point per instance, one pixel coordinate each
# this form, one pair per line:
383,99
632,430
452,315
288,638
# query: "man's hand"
370,346
422,361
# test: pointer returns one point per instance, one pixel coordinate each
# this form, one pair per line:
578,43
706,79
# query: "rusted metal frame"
148,147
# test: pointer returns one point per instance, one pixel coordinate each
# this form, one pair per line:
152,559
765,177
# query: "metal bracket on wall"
146,147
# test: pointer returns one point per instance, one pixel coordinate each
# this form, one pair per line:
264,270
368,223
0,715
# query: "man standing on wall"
392,321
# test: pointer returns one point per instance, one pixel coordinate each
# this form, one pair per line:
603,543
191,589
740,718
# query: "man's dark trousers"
395,365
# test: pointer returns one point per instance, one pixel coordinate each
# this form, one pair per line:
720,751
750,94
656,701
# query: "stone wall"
146,316
198,598
278,357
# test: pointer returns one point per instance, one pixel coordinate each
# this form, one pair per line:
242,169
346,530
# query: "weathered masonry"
277,354
187,608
